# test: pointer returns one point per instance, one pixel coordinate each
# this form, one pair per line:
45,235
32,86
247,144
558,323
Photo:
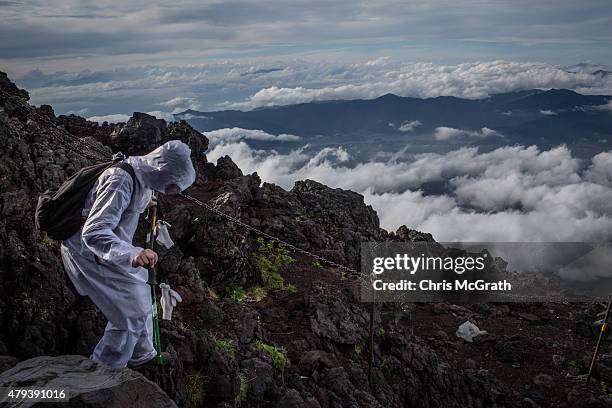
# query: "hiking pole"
604,327
152,281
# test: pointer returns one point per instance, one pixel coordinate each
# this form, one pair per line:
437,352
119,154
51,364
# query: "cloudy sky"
78,34
106,59
112,58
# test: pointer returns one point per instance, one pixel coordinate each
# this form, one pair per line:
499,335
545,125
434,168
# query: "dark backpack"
58,212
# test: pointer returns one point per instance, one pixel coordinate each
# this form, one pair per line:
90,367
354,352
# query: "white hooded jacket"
112,210
114,205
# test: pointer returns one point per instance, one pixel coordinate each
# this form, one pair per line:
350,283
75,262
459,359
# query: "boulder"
87,384
334,319
227,169
543,380
10,88
141,134
314,359
291,399
261,375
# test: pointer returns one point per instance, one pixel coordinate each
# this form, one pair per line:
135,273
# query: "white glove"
163,236
169,299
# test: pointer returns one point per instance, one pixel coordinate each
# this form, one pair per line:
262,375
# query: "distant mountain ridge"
546,117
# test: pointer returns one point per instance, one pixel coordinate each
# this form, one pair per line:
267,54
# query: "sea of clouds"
513,193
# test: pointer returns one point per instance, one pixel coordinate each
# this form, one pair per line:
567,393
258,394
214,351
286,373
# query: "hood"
169,164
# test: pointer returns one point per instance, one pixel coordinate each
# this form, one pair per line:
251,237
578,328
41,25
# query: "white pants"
113,348
128,337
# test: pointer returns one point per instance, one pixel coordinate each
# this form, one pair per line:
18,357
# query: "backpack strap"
127,167
130,170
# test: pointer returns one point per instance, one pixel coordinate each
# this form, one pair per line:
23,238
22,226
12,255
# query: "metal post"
604,327
371,346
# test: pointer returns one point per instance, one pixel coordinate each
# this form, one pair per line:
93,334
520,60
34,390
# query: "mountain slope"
213,336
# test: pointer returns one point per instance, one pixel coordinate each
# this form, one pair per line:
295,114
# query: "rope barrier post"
371,346
604,327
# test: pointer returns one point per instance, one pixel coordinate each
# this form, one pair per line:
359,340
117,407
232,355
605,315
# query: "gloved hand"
163,236
169,300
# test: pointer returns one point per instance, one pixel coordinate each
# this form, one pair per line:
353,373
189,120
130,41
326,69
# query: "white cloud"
235,134
548,112
116,118
338,153
167,116
180,104
447,133
606,107
409,126
600,170
177,101
513,193
80,112
376,62
188,116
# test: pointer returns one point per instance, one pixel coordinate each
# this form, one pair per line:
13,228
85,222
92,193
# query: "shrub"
386,363
235,292
184,326
270,260
242,392
213,294
227,346
278,356
256,293
196,388
48,242
361,346
14,102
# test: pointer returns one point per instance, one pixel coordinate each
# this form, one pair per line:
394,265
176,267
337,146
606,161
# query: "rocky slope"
301,346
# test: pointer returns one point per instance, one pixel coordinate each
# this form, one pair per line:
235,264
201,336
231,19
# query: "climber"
104,265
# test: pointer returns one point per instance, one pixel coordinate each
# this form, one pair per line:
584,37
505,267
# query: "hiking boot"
152,363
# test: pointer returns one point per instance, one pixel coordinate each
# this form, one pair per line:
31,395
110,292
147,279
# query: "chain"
91,150
265,234
509,296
